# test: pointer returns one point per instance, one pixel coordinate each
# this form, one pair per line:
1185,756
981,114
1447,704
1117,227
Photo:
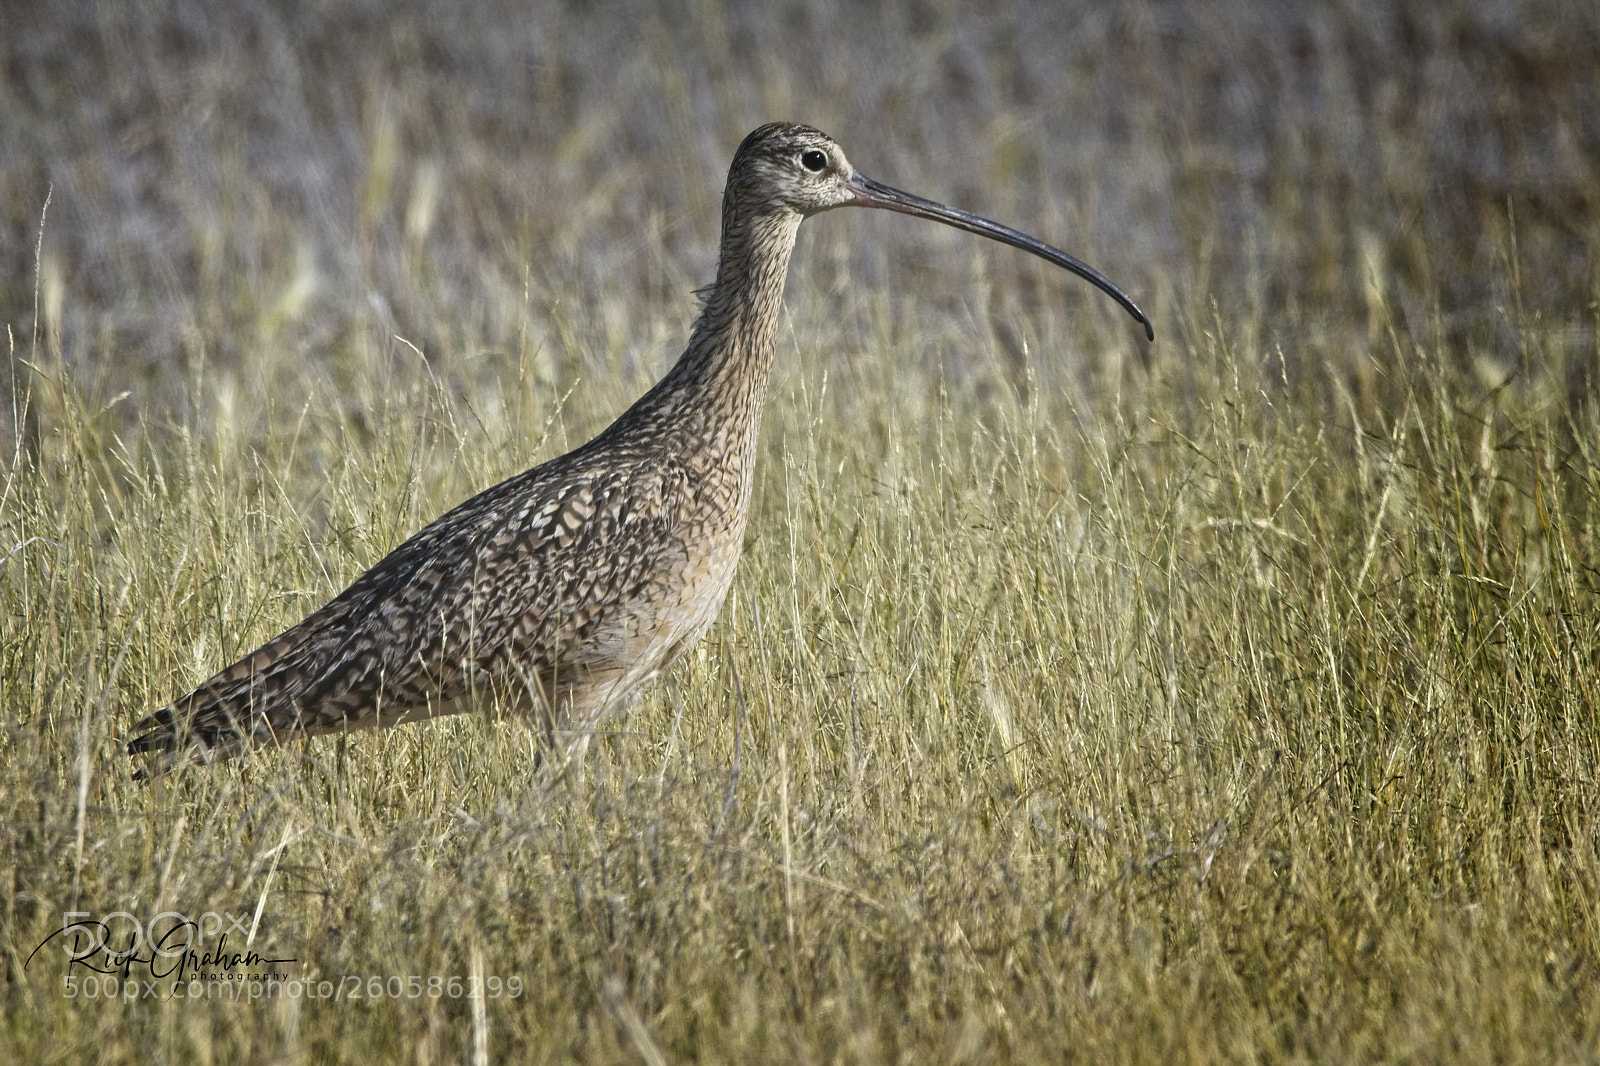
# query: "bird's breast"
654,555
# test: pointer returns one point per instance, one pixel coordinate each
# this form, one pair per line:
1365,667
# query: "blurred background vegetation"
249,184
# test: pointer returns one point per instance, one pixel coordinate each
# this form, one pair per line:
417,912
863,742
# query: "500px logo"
170,944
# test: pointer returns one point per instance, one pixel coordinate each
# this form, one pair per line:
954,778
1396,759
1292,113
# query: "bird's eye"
813,160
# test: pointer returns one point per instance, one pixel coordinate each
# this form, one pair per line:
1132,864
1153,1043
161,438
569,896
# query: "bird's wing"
517,574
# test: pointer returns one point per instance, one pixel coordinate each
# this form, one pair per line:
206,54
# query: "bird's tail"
251,703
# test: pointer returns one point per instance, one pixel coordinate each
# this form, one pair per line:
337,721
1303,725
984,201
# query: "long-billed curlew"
564,589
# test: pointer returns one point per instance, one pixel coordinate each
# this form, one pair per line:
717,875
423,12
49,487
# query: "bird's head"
787,166
786,169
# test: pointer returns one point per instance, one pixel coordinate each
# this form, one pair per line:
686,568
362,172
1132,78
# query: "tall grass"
1232,698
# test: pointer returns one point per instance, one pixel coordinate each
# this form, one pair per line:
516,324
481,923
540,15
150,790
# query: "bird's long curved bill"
869,193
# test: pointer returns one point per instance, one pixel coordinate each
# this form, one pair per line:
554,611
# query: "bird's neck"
718,386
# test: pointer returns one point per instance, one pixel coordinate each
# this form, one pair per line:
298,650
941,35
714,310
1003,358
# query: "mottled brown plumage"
566,588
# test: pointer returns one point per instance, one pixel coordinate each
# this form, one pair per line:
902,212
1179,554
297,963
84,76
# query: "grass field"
1231,698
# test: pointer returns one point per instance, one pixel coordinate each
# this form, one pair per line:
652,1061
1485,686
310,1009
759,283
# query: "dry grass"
1231,699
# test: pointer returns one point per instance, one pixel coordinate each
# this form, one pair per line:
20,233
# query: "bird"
565,589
